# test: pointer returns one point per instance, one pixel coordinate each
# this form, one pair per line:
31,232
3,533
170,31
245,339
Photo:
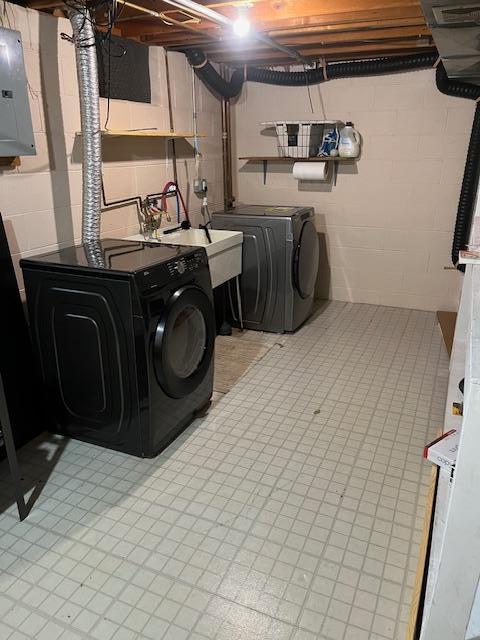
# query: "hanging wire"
308,88
103,38
109,72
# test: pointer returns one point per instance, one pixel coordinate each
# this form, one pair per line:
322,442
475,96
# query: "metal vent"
451,15
456,32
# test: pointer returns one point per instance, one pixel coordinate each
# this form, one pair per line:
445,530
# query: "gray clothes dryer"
280,264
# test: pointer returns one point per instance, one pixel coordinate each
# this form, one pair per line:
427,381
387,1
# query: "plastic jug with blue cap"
350,141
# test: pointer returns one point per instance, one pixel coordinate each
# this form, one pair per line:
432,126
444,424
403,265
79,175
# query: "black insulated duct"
468,193
332,70
232,88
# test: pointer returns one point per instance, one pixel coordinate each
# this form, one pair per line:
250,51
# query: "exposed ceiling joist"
330,53
326,38
335,29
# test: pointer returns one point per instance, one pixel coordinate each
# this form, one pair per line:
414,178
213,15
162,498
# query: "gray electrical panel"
16,133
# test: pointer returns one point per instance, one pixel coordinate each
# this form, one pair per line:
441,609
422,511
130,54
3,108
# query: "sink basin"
224,253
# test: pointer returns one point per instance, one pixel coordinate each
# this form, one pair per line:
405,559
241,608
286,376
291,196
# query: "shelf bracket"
335,173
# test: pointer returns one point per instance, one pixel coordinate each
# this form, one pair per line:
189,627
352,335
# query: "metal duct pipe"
84,40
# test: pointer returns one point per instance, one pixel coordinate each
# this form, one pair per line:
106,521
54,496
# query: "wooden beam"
422,563
330,28
152,26
413,27
294,9
326,39
447,321
388,13
271,57
398,23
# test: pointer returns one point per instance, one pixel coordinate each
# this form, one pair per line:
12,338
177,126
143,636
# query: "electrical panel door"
16,134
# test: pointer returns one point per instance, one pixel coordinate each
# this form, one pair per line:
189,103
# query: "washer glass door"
184,341
305,261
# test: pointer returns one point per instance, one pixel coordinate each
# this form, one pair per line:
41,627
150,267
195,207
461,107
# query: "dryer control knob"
180,267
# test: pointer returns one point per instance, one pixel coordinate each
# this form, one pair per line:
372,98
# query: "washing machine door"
305,260
184,341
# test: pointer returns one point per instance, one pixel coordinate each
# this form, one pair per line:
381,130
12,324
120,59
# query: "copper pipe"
226,201
231,199
170,116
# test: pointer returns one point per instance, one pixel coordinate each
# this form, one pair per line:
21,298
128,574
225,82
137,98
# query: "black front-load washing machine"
125,341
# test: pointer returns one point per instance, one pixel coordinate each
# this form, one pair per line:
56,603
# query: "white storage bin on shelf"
299,138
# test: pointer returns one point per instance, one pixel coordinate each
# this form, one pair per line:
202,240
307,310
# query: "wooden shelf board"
145,133
447,321
12,162
285,159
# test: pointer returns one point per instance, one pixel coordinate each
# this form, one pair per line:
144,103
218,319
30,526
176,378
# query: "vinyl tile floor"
292,511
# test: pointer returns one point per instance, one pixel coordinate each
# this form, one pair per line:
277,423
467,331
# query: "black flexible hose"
232,88
468,193
228,90
455,88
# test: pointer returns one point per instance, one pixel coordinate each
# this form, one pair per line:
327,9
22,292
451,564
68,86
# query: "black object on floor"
126,348
223,315
20,379
6,433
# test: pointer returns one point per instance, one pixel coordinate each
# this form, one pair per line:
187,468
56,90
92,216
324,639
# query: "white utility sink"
224,253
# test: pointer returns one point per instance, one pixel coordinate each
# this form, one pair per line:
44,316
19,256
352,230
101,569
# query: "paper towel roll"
310,170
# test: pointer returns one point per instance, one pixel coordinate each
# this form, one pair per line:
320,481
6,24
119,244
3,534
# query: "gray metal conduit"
86,57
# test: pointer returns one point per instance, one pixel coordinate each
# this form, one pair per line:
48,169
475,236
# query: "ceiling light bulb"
241,26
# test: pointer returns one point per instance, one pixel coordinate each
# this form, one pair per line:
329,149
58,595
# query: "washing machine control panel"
185,264
159,275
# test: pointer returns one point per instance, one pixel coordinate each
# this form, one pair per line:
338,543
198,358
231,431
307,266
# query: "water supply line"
86,58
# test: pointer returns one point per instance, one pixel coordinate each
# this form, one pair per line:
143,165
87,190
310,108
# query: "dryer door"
305,260
184,341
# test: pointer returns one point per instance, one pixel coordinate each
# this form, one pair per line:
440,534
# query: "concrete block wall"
387,225
40,201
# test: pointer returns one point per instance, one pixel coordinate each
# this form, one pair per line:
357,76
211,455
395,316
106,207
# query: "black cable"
308,88
109,69
137,200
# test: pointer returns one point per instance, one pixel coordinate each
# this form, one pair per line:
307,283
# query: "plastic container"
350,141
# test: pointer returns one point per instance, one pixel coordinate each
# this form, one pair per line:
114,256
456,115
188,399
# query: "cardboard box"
443,451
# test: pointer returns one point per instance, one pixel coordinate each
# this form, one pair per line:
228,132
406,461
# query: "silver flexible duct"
84,40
